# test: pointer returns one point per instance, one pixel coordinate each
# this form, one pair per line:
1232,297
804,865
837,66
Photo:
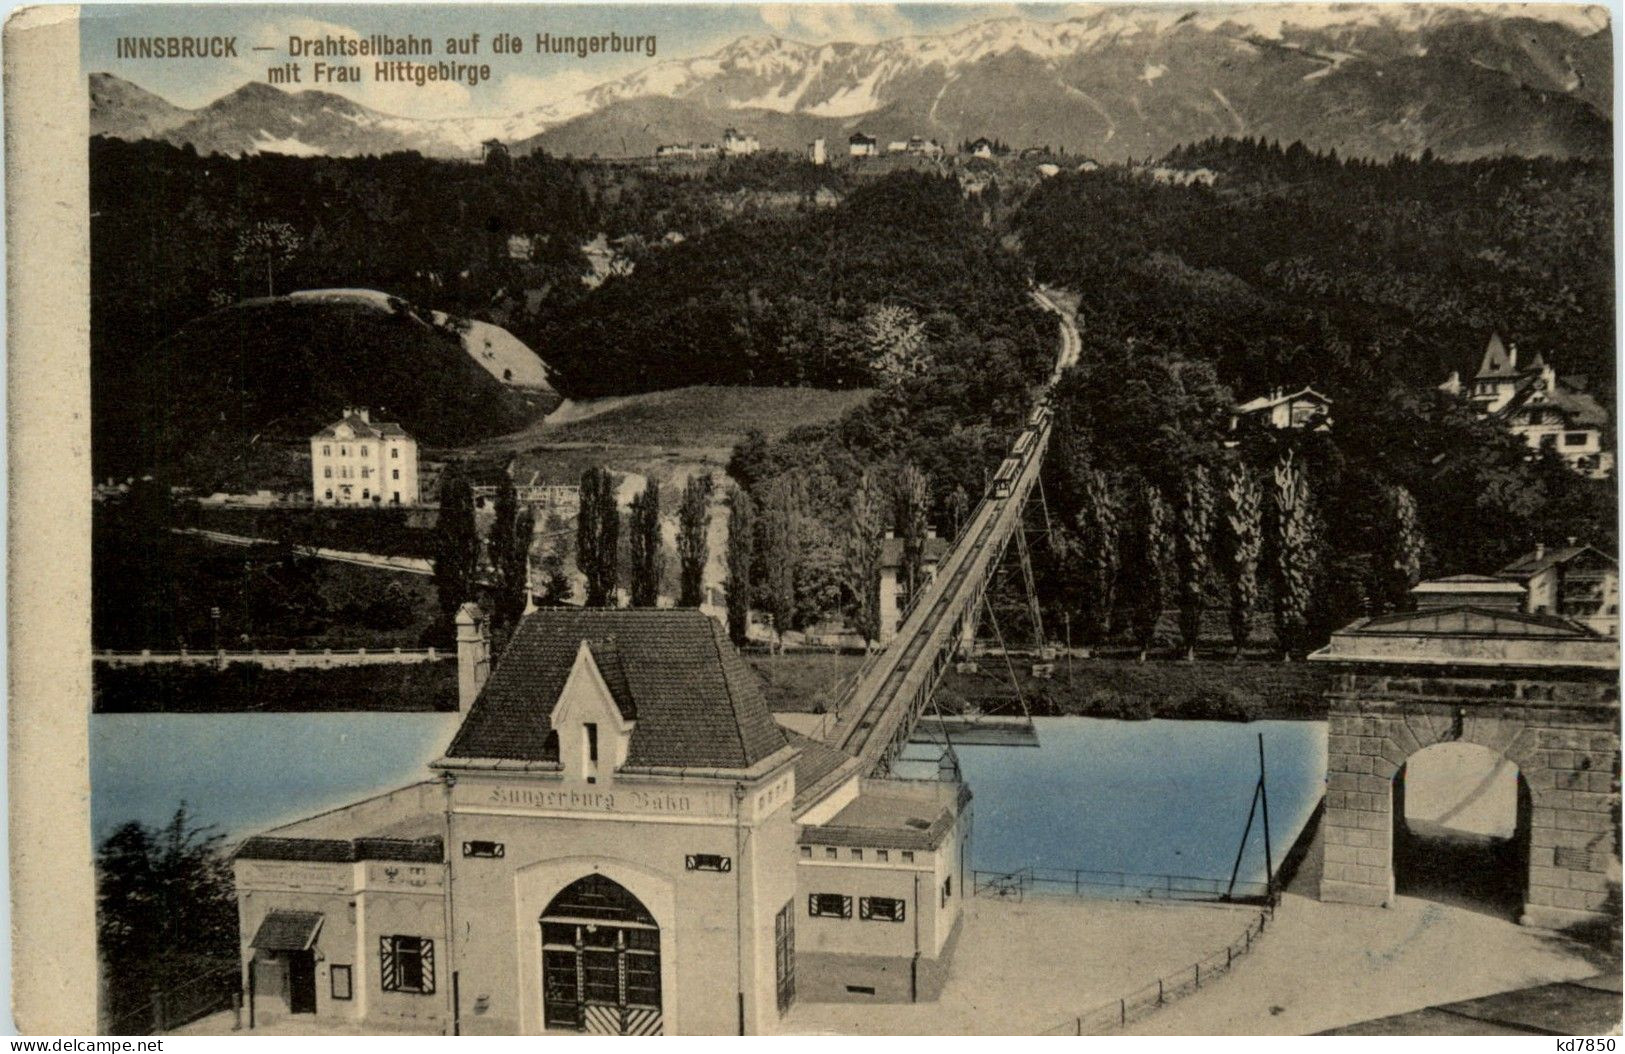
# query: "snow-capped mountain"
1114,82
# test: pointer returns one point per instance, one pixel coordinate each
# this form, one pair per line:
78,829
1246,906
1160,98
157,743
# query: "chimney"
1573,541
1540,550
366,414
473,654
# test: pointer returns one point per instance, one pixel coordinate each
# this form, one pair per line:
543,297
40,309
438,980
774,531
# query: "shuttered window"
406,964
829,905
881,909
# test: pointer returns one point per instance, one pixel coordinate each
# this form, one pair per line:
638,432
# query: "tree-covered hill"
275,369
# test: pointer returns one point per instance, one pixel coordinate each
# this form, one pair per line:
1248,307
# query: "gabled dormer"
593,716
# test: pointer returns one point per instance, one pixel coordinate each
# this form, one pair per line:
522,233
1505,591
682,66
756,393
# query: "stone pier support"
1561,732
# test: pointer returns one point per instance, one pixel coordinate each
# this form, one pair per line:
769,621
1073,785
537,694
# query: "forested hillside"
1368,282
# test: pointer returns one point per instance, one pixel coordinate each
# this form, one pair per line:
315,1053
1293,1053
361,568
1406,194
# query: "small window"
829,905
592,742
327,451
908,856
830,852
344,451
394,451
882,855
708,862
340,977
327,472
406,964
806,852
881,909
329,494
856,854
366,473
365,494
363,451
395,473
488,850
1574,439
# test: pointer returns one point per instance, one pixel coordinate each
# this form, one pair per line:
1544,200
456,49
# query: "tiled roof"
362,428
1496,361
814,762
1534,562
696,704
1578,408
287,931
1275,398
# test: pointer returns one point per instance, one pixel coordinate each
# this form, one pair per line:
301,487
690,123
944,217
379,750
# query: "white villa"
1549,412
358,461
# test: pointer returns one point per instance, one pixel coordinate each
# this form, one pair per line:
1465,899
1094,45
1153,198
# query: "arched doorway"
1461,828
600,961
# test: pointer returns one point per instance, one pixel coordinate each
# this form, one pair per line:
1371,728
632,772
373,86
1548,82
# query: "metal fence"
1108,1017
1116,885
215,989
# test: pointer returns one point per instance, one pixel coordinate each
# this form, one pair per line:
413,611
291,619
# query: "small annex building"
620,840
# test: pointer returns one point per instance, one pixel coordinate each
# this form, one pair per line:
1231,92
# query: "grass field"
803,683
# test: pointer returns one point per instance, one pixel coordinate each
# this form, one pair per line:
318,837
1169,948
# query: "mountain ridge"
1113,83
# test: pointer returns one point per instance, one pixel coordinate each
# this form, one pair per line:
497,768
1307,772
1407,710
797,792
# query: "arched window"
600,961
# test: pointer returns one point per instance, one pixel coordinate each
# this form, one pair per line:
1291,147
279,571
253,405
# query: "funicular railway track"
877,717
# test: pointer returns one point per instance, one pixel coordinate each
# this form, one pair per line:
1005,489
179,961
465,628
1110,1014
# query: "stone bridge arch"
1557,721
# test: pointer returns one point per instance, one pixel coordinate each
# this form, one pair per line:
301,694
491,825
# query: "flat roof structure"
893,814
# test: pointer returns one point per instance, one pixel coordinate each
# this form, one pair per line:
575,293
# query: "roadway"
894,687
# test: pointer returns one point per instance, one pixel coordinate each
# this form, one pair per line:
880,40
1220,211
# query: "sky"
517,81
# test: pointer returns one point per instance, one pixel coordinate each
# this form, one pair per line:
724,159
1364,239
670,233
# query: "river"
1159,797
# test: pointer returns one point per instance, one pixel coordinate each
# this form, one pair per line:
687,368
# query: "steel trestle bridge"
874,720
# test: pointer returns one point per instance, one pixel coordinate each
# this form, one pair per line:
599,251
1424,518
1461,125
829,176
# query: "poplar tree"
912,525
1294,546
456,543
693,521
1154,560
643,549
741,554
1099,524
508,548
1194,538
598,533
864,544
1406,544
1244,515
782,551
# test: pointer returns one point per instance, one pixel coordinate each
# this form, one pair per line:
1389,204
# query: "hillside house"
361,462
739,144
894,595
922,147
1304,409
1549,412
1575,581
984,148
897,146
818,152
860,145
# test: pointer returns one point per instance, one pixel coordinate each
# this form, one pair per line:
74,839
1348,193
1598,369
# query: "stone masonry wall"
1562,734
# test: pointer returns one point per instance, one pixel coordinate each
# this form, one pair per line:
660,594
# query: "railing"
1108,1017
290,659
1114,885
213,990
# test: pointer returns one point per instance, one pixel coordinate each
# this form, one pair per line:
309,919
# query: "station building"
618,839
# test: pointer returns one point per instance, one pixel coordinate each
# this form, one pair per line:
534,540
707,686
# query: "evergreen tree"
598,533
456,543
864,541
1195,537
741,555
644,549
693,521
1244,515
